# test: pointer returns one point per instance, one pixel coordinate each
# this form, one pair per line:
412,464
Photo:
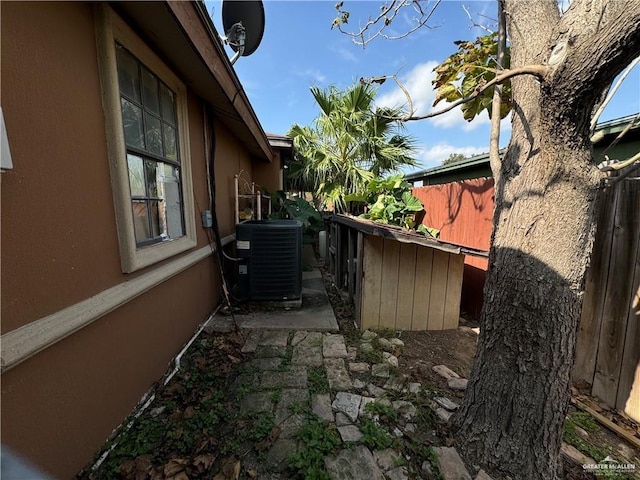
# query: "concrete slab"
309,256
315,314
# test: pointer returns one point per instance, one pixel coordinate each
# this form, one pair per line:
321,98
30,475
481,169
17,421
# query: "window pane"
168,101
150,91
140,220
136,176
171,208
155,221
170,147
152,180
132,122
154,134
128,74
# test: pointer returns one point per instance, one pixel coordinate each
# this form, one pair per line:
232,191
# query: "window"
151,139
145,109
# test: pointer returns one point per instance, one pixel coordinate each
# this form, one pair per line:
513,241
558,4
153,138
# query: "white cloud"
345,54
418,84
434,155
312,73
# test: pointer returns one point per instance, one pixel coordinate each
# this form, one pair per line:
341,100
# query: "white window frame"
111,29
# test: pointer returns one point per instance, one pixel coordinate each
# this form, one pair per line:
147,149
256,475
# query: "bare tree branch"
496,103
473,23
611,93
619,166
387,15
539,71
626,163
600,135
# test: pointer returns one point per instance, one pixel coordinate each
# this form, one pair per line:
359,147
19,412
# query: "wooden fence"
463,212
608,349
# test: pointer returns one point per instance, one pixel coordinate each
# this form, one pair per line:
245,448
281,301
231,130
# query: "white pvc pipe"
149,396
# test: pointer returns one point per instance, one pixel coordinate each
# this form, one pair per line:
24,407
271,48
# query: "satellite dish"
243,23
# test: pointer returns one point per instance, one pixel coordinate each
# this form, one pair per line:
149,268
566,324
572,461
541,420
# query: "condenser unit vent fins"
272,253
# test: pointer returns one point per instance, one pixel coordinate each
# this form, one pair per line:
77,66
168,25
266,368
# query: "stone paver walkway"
356,391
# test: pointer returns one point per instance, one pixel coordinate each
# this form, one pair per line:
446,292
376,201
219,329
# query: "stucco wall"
230,160
268,174
60,246
57,201
60,406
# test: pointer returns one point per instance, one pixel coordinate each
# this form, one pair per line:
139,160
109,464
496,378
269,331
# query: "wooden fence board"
407,268
593,304
372,267
358,300
438,290
422,288
389,286
629,387
454,289
628,395
617,300
351,265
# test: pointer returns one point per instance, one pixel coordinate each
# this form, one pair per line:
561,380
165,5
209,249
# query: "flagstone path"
288,369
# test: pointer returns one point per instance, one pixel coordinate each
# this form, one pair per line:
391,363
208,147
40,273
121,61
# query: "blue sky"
299,50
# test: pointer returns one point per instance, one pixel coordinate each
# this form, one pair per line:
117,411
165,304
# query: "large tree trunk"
511,419
512,416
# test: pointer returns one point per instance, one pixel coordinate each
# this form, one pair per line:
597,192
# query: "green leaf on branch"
411,203
428,231
465,72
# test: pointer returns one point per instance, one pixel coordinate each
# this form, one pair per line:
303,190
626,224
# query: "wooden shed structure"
397,279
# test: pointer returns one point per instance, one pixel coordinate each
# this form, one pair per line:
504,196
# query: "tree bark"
510,422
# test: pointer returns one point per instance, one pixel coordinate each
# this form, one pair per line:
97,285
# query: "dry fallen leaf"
175,466
143,466
230,469
179,476
189,412
203,442
204,462
128,468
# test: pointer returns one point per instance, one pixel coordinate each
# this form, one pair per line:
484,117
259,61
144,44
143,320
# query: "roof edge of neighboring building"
603,130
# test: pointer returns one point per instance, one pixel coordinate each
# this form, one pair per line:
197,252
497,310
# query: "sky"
299,50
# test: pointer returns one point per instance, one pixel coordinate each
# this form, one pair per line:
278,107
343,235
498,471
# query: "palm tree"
348,144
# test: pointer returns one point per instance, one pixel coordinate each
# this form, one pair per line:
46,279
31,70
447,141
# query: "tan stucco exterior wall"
60,406
268,174
230,160
57,199
60,246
